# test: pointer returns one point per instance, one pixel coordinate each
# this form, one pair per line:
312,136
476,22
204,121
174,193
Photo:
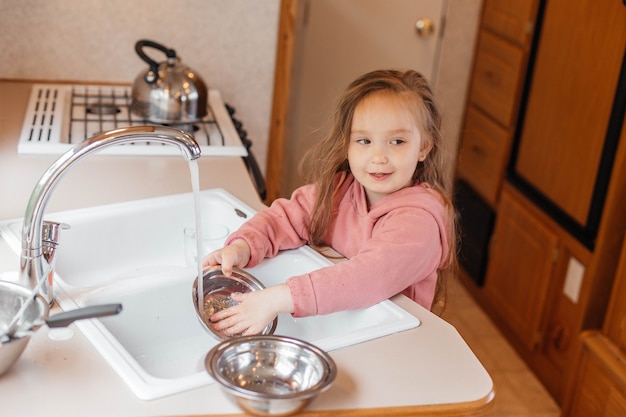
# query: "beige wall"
231,43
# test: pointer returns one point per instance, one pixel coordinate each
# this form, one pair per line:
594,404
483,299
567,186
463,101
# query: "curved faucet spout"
32,266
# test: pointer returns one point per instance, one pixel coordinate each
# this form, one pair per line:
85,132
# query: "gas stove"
61,115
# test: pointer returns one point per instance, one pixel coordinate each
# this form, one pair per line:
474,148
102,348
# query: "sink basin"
133,253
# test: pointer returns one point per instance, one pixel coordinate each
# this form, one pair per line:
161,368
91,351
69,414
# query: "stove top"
61,115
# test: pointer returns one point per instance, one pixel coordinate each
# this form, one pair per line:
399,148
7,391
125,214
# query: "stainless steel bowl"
217,289
270,375
12,296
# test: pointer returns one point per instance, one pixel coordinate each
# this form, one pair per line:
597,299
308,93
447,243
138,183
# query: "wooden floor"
518,392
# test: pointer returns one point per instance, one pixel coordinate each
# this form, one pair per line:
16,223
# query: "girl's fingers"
222,315
230,329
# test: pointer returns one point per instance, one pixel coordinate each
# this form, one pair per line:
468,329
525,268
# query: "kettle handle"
151,75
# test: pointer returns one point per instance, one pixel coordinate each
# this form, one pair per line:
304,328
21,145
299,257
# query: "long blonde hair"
327,158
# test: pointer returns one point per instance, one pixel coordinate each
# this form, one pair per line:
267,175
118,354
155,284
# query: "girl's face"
385,145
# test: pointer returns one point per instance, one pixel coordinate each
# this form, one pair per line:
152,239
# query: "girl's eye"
397,141
363,141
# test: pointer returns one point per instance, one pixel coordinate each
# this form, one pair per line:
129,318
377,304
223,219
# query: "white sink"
132,253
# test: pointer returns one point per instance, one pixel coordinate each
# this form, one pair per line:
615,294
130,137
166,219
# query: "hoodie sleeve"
406,248
281,226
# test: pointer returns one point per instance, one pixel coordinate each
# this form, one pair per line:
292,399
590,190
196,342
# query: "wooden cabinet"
599,388
496,83
545,146
495,91
522,256
534,285
543,287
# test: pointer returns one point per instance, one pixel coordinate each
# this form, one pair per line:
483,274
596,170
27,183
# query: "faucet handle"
50,231
49,242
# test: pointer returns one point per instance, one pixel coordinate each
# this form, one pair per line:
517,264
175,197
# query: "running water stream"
195,185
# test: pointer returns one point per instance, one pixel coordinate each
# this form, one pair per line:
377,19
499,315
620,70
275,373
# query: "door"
342,39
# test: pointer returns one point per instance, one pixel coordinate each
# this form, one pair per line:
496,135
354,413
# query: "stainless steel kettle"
169,92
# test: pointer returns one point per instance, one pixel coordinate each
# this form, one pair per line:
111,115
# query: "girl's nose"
379,156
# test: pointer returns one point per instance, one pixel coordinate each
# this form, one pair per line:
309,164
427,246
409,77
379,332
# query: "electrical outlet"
573,279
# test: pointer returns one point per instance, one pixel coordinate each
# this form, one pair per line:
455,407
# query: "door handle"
426,28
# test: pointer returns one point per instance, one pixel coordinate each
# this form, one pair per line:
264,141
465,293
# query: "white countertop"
429,368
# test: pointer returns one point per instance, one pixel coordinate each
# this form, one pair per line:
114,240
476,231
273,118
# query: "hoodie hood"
418,196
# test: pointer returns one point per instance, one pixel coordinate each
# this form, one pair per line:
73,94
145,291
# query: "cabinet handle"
559,336
477,150
492,78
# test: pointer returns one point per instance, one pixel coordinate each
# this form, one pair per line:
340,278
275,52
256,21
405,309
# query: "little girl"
375,194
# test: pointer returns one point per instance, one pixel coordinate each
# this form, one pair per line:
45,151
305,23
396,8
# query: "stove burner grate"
97,109
59,116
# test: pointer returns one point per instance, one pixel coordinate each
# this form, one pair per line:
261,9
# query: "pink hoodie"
394,247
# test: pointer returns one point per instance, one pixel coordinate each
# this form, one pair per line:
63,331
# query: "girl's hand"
236,254
254,312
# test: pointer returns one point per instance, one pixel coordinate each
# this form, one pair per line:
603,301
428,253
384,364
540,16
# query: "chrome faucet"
39,240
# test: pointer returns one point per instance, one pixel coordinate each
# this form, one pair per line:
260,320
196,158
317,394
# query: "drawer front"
512,19
482,156
497,78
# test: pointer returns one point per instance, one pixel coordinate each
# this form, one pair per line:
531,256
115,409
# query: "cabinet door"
520,268
570,102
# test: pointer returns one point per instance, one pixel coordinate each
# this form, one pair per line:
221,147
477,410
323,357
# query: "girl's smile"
385,145
379,176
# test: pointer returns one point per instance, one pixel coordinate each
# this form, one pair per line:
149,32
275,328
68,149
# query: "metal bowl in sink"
217,289
12,296
270,375
35,315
